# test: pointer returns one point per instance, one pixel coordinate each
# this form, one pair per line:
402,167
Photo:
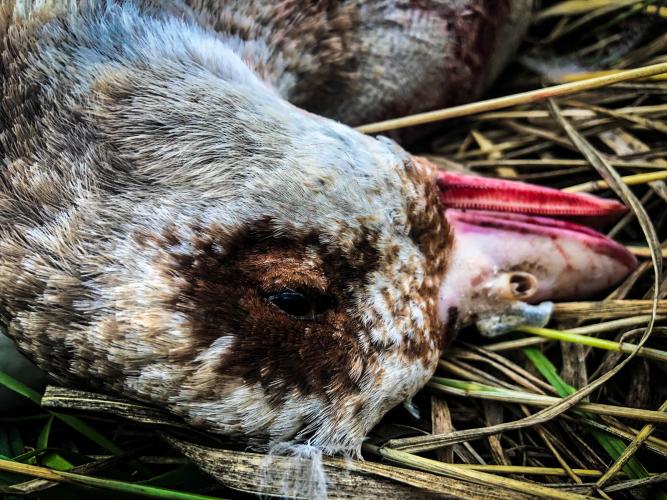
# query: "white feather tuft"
306,479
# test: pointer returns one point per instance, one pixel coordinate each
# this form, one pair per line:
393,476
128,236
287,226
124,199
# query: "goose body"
174,230
156,193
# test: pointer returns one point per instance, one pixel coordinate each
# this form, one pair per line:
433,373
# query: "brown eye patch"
285,264
234,286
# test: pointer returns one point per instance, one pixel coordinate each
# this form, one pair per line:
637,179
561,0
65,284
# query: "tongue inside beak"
507,254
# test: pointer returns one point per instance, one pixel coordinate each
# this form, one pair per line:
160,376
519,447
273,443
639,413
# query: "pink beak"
508,252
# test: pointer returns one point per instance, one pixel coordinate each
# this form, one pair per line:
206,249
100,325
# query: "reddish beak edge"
496,195
508,247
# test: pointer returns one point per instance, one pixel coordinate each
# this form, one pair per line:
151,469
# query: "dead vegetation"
573,410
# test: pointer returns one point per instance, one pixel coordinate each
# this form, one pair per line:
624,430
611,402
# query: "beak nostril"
512,286
522,285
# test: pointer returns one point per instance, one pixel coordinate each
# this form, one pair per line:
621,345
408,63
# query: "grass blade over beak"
548,333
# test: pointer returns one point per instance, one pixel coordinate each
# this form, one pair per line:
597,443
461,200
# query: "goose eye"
296,304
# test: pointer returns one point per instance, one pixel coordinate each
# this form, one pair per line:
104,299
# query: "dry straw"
537,414
536,95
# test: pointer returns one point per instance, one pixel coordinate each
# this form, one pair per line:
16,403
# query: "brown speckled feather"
360,62
156,195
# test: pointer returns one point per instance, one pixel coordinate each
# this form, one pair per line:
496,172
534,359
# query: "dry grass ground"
573,410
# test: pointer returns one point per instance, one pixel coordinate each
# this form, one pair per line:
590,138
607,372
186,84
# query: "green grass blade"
548,371
88,431
607,345
96,482
14,385
611,444
43,439
50,459
25,457
56,461
74,422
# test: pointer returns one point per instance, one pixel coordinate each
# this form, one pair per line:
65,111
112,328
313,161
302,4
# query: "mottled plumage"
358,61
175,228
155,193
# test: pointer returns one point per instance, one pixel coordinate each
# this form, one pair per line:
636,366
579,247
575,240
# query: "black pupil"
294,304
